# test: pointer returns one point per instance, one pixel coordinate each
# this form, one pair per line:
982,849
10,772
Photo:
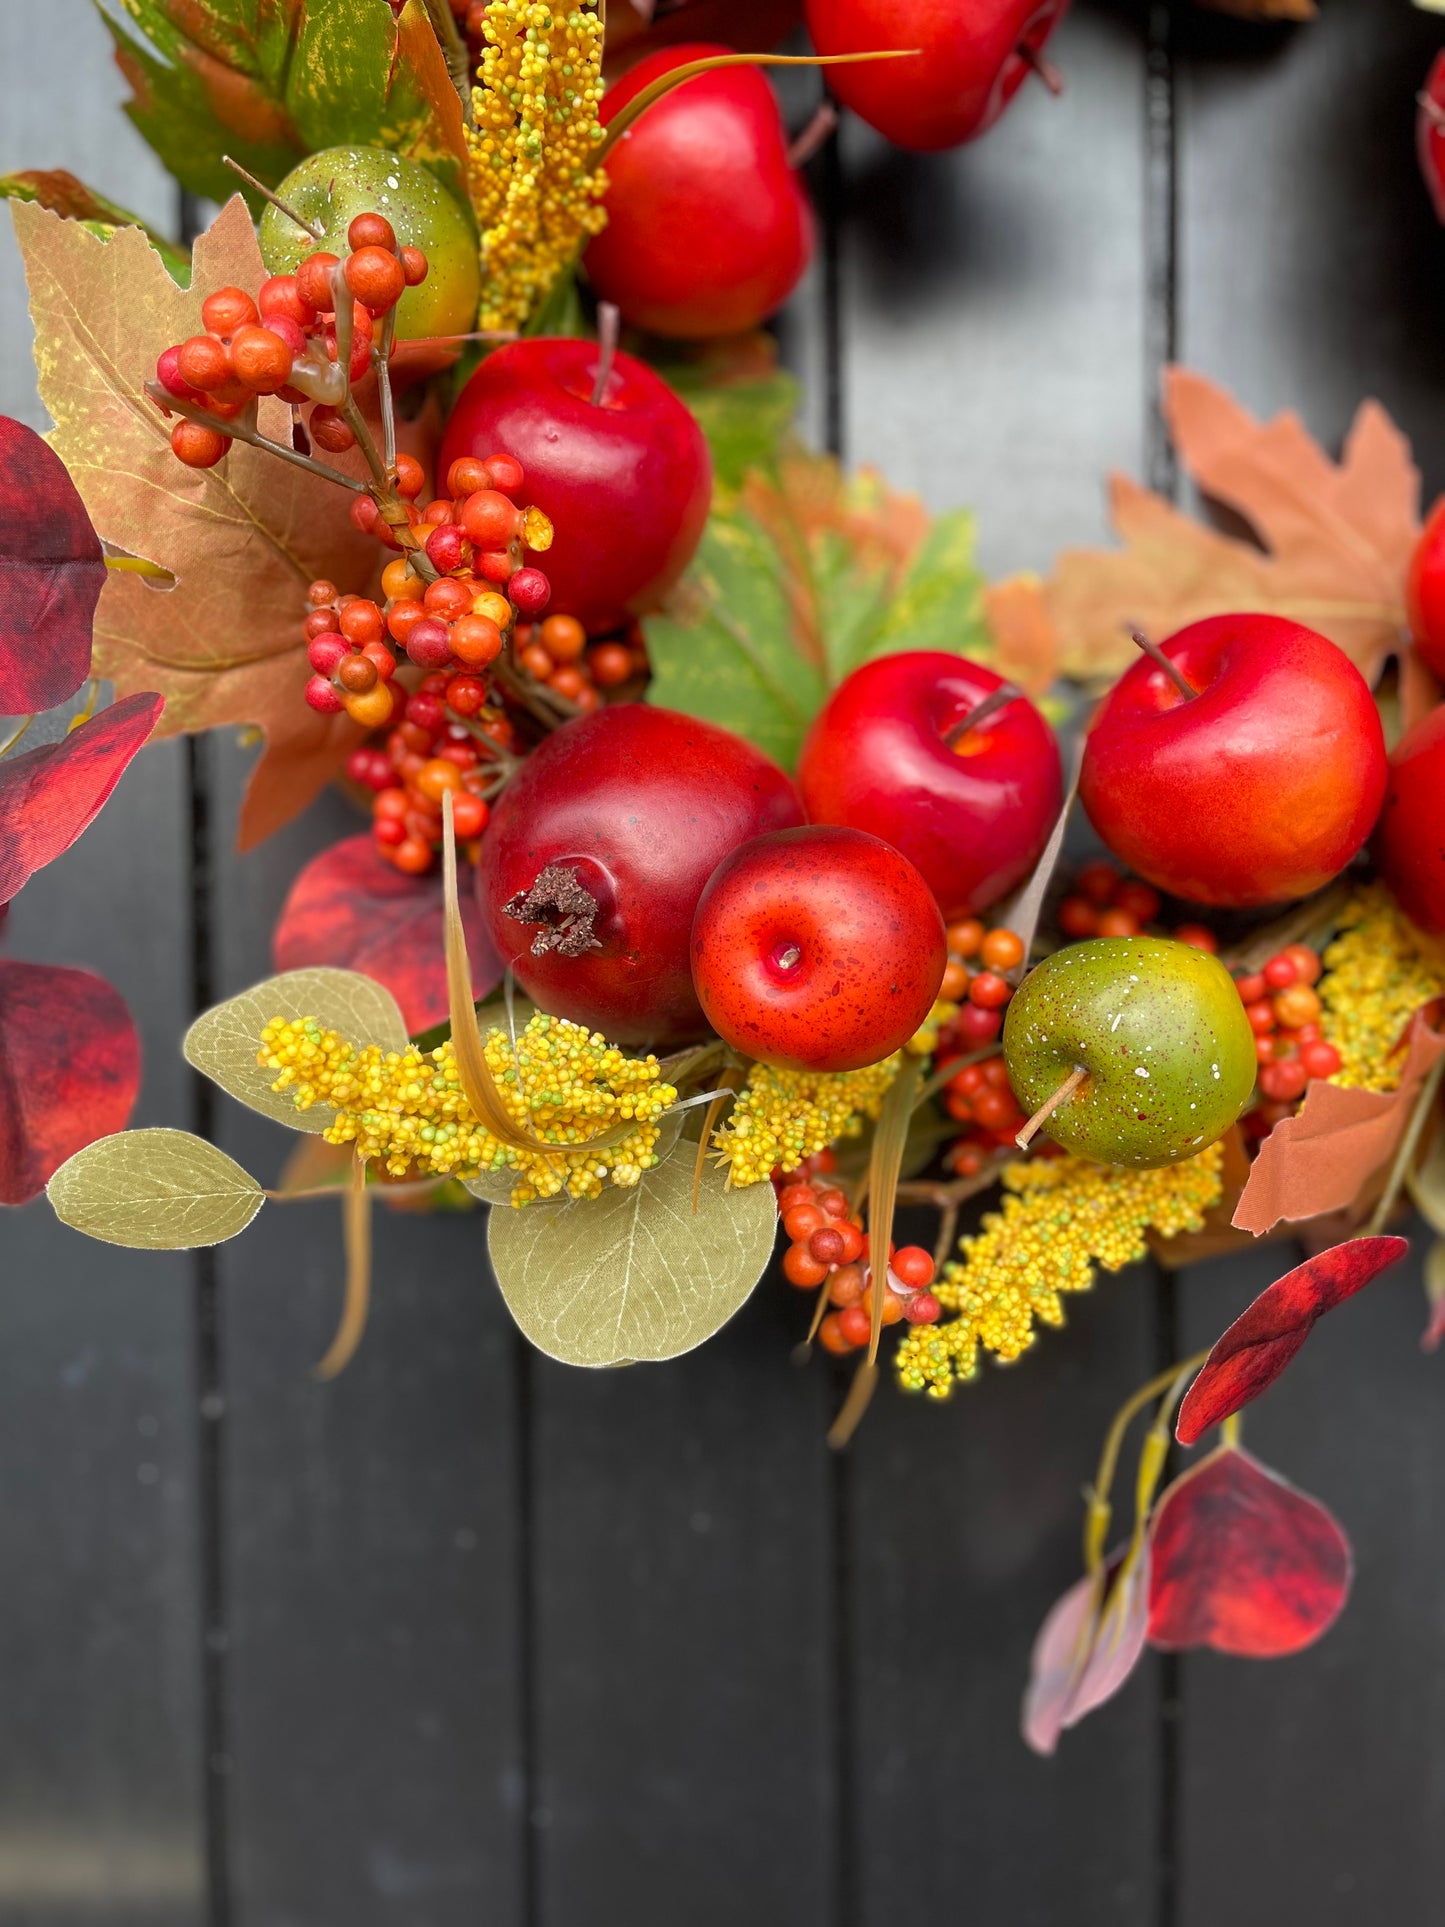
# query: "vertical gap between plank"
210,1400
529,1873
844,1816
1161,201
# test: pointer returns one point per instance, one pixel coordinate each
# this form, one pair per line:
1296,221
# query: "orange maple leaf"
1334,539
223,643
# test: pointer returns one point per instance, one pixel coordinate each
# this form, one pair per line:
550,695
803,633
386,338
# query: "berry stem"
356,1240
1047,72
1096,1518
809,138
313,228
1050,1104
976,717
22,724
1160,661
609,323
239,432
383,389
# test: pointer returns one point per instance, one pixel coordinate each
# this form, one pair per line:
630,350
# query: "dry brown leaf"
1322,1159
1337,537
224,645
1026,642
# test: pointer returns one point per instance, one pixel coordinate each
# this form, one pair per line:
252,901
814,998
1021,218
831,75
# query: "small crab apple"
973,56
626,479
1258,787
892,753
1410,841
708,228
1159,1034
335,186
817,949
598,851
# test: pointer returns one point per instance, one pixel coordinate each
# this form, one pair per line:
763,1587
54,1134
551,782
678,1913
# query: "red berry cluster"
829,1247
974,977
980,1096
1283,1009
1105,904
284,342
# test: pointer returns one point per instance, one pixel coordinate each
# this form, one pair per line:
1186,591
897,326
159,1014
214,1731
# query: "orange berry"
447,598
410,477
494,607
475,641
1296,1006
1198,936
954,987
845,1287
313,280
611,665
800,1268
489,519
402,618
260,360
413,266
855,1324
1078,917
371,231
1002,950
1306,962
1117,923
435,778
356,674
413,856
203,363
360,621
1097,882
965,937
226,310
466,475
567,681
372,708
563,637
398,581
832,1337
197,446
537,663
469,814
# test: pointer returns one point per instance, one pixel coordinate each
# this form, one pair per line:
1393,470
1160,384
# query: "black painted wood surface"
469,1638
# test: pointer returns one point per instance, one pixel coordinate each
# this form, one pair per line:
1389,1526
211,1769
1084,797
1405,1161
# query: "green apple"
332,187
1158,1028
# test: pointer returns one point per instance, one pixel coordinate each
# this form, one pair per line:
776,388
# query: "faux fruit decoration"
945,761
1143,1043
817,949
612,457
1410,841
973,56
1425,591
1240,762
329,189
1430,133
709,228
598,852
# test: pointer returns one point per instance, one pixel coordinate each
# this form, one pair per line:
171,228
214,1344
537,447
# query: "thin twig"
239,432
14,737
383,389
806,142
1047,72
316,232
609,324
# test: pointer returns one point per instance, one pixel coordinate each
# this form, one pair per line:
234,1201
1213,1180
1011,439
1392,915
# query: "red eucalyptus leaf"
1244,1562
52,568
1264,1338
48,796
351,909
69,1070
1086,1648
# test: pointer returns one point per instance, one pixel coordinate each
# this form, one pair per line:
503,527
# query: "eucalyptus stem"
1096,1519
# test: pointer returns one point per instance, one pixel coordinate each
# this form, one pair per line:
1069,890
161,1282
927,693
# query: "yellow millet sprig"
1377,975
535,191
1062,1219
782,1117
407,1109
924,1041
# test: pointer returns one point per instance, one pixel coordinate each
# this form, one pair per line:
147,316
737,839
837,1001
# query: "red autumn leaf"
69,1070
50,795
52,568
1243,1562
1265,1337
351,909
1086,1649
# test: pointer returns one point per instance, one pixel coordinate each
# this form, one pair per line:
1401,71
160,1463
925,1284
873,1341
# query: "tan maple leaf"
1334,539
224,642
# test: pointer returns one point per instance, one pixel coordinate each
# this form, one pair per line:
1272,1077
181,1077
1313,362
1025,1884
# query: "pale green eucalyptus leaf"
157,1190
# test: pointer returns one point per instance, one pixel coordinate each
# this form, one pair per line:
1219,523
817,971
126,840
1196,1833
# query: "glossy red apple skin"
973,819
1257,790
640,804
968,69
817,949
709,229
1425,591
1409,843
626,483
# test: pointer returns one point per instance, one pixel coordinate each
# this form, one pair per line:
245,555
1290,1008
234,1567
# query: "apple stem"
1432,110
609,322
1160,661
1047,72
312,228
806,142
976,717
1050,1104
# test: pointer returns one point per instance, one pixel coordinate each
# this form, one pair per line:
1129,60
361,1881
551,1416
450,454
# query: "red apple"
597,853
973,56
1258,788
708,227
1410,840
626,480
1425,590
817,949
972,817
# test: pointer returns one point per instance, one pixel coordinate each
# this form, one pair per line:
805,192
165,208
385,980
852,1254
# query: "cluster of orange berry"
285,341
1283,1009
974,979
556,654
1105,904
827,1246
981,1097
